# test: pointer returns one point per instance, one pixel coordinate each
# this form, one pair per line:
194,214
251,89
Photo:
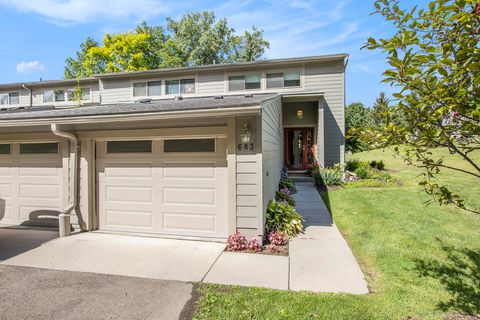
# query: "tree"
75,68
434,61
252,46
381,108
357,119
196,39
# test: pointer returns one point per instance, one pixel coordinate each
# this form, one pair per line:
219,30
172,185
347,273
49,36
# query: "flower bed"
282,223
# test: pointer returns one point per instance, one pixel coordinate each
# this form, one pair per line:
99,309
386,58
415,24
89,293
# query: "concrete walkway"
320,258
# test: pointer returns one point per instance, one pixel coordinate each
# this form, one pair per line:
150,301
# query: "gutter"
64,217
141,116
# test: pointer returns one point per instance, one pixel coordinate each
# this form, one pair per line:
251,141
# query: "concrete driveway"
153,258
17,240
30,293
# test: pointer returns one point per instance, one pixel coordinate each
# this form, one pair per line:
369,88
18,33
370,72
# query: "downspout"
30,92
64,217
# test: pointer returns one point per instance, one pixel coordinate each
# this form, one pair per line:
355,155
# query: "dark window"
4,149
137,146
37,148
189,145
291,79
274,80
248,82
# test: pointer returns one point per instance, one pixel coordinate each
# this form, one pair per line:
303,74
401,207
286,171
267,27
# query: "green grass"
420,262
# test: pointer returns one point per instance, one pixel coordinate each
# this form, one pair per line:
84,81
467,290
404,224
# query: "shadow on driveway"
19,239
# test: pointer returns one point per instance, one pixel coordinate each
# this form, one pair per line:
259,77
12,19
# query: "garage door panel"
39,191
129,219
116,170
37,212
189,196
5,190
188,223
135,194
28,169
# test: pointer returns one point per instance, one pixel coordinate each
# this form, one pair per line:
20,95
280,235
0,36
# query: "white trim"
163,94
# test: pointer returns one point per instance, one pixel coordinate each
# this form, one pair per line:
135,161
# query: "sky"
38,35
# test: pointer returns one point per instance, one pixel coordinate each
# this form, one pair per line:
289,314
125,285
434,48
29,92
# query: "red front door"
298,148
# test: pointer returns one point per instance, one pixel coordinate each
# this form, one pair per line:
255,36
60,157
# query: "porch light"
246,134
300,113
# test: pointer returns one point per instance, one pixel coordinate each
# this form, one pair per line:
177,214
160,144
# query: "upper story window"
61,95
84,96
150,88
247,82
182,86
283,79
48,96
9,98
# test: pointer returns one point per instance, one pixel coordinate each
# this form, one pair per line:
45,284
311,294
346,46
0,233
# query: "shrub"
277,238
352,164
380,165
289,184
328,177
285,197
237,242
254,245
363,172
382,176
377,165
284,218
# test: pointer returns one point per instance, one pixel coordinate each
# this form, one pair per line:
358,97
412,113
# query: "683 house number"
246,147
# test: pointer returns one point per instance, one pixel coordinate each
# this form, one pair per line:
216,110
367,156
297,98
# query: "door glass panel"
295,148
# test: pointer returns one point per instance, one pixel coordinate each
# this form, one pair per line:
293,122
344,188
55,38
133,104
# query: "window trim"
163,88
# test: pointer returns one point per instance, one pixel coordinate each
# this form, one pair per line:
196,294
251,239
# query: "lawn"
421,262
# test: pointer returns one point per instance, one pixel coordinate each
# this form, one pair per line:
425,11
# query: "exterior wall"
116,90
248,181
272,151
329,78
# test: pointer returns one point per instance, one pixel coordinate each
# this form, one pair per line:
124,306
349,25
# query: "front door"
298,148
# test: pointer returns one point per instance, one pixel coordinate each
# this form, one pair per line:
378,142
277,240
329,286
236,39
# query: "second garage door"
171,187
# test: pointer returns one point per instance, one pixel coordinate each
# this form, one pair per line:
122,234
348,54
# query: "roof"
155,106
266,62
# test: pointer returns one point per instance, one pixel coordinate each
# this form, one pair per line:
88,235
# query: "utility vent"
249,95
21,108
178,98
146,100
218,97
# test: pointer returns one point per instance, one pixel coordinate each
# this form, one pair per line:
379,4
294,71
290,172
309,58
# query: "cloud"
30,67
70,12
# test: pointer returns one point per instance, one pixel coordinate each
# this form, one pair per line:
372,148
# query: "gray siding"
249,184
272,151
113,91
329,78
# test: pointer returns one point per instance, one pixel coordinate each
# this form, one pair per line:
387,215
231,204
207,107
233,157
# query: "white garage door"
31,183
171,187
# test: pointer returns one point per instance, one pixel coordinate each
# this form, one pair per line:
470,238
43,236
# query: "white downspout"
64,217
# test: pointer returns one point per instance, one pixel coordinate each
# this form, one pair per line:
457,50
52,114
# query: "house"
192,153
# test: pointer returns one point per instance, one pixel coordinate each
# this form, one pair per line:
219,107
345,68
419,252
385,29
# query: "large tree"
357,118
195,39
434,59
